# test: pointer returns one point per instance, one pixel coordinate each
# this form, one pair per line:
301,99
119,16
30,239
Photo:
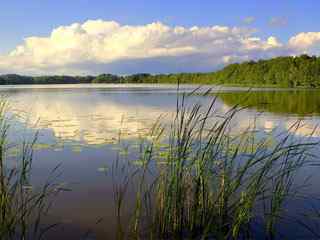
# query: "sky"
80,37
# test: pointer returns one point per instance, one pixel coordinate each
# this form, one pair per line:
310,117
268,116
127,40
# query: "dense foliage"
302,71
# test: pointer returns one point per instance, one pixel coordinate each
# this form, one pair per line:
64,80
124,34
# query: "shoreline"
227,87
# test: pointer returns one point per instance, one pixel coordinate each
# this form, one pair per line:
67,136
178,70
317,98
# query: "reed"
193,179
210,183
22,206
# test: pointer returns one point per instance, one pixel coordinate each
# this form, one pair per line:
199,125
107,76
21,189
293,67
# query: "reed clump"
22,205
202,181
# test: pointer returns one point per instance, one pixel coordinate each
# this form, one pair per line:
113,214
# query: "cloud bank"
97,46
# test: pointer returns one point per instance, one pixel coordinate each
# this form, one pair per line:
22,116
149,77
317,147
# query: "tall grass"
22,206
195,178
211,183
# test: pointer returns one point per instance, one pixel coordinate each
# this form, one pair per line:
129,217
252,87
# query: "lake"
80,125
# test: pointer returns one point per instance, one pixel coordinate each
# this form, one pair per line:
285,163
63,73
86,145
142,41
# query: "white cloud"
106,46
306,42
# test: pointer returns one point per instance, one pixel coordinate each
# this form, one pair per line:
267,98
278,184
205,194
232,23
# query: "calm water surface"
79,127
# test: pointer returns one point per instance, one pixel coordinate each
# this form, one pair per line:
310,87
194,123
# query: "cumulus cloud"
306,42
97,46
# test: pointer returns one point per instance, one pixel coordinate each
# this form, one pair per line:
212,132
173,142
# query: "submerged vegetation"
302,71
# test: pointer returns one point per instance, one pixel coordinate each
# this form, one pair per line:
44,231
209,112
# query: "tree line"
300,71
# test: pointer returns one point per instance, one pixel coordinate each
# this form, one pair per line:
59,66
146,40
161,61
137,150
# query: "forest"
290,71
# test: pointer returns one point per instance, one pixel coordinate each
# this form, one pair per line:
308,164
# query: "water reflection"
285,102
307,127
279,109
89,118
82,118
95,117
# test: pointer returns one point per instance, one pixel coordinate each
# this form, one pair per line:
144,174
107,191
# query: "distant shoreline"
215,88
281,72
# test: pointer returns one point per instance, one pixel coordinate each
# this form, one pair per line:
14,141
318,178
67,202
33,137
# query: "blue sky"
22,19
